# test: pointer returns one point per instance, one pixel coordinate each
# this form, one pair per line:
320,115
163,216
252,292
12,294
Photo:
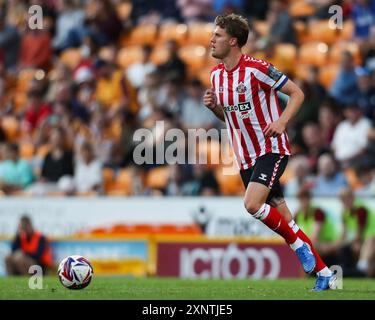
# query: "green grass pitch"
177,289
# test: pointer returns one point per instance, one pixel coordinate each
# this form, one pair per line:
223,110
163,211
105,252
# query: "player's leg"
278,202
266,171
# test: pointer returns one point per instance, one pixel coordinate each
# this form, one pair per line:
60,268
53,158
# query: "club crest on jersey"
241,88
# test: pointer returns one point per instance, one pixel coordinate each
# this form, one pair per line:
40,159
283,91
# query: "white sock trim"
294,226
325,272
263,212
296,244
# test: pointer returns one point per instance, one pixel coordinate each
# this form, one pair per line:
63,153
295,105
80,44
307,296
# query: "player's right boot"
325,283
306,257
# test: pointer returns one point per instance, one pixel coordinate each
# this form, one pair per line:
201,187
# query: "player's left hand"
274,129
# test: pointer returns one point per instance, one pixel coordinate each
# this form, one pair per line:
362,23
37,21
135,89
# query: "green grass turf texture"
117,288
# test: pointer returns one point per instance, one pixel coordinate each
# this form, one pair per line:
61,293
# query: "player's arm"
209,100
296,97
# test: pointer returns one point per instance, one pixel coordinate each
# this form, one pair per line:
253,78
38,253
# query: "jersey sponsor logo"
273,73
240,107
263,177
241,88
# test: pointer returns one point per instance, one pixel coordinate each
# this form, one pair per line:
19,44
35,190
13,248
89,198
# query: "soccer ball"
75,272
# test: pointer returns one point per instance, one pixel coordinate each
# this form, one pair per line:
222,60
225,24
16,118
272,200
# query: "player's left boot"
306,257
324,283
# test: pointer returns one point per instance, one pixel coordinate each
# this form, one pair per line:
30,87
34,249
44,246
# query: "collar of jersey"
234,68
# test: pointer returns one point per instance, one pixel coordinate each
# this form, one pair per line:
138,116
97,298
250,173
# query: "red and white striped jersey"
248,95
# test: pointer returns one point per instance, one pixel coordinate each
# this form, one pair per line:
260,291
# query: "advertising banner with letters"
226,260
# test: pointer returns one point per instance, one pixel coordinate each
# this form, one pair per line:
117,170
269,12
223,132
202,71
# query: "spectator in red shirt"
37,110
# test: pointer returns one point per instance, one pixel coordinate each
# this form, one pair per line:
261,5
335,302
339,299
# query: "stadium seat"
140,34
27,150
129,55
193,55
302,31
347,31
204,76
24,79
314,53
11,127
108,175
157,178
319,30
200,33
122,184
286,51
328,74
175,31
303,71
159,54
71,57
230,184
339,47
301,9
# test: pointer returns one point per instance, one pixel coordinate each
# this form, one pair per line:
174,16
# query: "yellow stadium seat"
11,127
140,34
27,150
159,54
108,178
200,33
129,55
339,47
286,51
303,71
122,184
347,31
175,31
193,55
230,184
204,76
301,9
302,31
319,30
328,74
314,53
157,178
71,57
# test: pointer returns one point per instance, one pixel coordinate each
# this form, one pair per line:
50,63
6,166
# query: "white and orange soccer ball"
75,272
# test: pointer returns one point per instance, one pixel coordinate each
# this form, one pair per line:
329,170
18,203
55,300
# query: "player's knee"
252,206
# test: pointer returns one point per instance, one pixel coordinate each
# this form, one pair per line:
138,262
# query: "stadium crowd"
73,93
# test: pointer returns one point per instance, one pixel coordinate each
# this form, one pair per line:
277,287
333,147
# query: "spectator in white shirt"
88,171
137,72
351,136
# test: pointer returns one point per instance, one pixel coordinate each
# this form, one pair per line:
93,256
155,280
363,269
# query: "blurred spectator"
204,182
57,164
329,180
365,171
314,144
174,67
196,9
366,99
88,171
171,97
344,88
113,90
9,44
301,175
318,226
281,23
193,116
350,138
37,110
15,173
69,21
315,85
229,6
363,15
369,54
328,121
137,73
358,236
29,248
103,24
165,9
35,49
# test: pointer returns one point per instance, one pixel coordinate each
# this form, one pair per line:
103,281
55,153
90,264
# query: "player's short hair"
235,25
